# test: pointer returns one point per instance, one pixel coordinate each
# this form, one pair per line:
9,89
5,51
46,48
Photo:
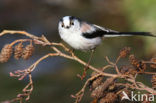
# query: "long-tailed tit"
85,36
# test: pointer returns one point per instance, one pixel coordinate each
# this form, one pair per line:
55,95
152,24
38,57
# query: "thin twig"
65,52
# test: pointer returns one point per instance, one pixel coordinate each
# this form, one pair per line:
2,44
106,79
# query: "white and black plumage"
85,36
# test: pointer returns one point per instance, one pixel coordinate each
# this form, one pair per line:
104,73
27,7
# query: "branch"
109,87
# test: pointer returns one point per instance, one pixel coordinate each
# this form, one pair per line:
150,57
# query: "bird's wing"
107,32
105,29
92,31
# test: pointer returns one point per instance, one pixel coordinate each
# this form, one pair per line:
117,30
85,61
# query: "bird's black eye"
71,23
62,25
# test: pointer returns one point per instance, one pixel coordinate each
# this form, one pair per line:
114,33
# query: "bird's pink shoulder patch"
85,27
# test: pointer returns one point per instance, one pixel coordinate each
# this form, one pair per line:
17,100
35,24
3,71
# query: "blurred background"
55,78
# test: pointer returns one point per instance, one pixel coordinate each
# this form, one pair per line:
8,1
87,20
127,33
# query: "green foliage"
142,17
141,14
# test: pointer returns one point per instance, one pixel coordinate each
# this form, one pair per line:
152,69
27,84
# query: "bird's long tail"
115,34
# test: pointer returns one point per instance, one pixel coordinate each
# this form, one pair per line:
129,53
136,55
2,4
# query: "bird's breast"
77,41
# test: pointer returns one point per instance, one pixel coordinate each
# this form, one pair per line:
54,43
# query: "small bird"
85,36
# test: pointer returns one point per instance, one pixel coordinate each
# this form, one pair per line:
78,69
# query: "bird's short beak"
67,27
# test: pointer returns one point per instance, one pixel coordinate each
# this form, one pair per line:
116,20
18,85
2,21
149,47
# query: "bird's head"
69,23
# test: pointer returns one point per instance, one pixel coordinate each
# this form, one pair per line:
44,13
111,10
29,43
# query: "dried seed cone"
124,52
28,51
98,91
109,98
128,70
133,60
153,81
96,82
94,100
142,65
6,53
138,64
18,51
152,64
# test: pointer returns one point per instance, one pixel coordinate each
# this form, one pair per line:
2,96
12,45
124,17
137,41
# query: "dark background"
55,78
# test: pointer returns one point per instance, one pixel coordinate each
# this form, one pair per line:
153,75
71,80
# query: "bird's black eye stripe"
71,22
62,24
71,18
61,20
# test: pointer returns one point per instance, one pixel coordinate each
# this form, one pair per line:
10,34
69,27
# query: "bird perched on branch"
85,36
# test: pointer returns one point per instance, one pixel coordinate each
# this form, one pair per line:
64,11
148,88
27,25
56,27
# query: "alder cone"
6,53
109,98
153,81
139,64
124,52
28,51
18,51
152,64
